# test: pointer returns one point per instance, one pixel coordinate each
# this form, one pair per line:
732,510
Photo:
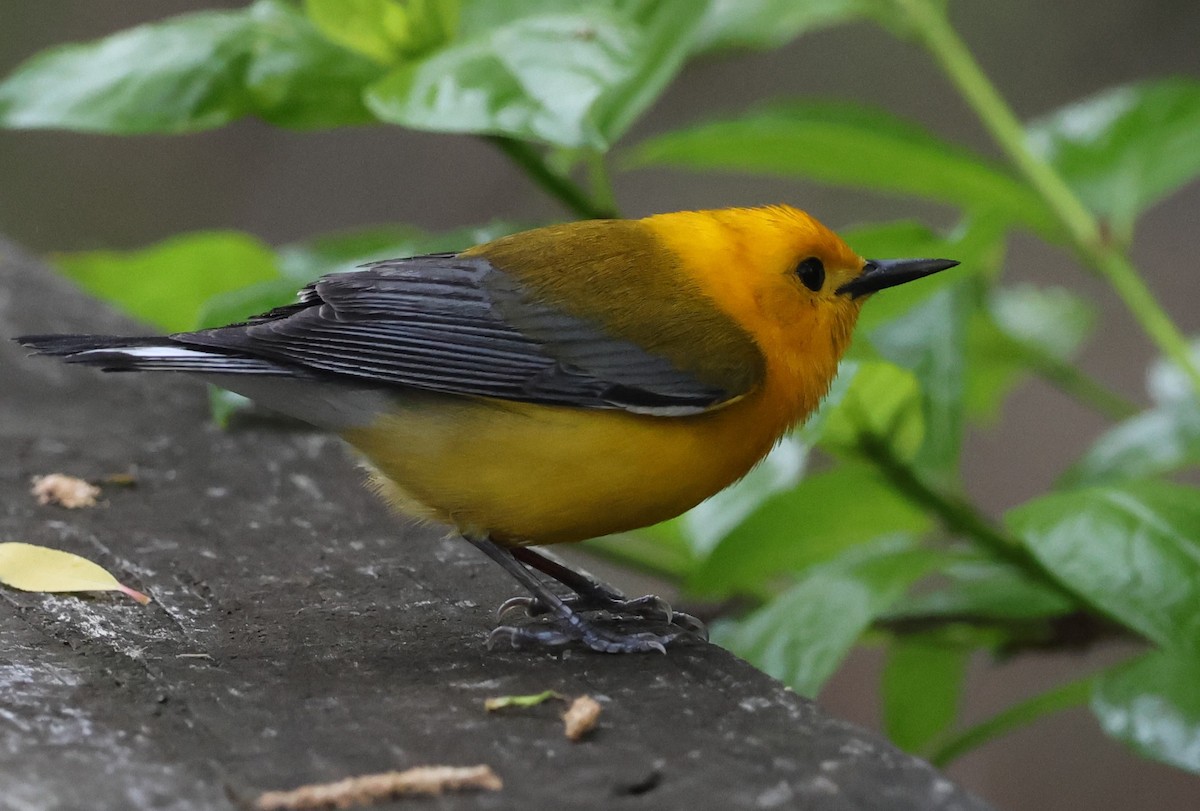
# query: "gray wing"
446,323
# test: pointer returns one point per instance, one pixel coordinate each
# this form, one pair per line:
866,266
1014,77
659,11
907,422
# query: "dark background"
62,191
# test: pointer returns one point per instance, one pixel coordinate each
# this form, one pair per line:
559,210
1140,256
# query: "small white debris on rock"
66,491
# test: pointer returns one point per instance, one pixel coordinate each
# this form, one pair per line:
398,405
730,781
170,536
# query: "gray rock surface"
300,633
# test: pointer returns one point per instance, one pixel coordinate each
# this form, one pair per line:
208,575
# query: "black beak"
878,274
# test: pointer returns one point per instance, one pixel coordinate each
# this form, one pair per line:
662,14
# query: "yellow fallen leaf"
28,567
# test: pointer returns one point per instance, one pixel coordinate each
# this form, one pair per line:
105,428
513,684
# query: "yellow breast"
542,474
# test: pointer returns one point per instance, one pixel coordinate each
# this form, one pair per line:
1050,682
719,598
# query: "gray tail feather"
156,354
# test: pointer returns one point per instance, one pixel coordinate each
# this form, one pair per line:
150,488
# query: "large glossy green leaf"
1125,148
771,23
819,518
178,75
1131,550
1153,704
852,145
192,72
168,284
573,78
1160,440
922,686
802,635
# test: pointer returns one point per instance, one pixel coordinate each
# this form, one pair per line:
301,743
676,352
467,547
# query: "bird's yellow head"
792,283
776,265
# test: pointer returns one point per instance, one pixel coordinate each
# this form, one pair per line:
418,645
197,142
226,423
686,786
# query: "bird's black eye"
812,273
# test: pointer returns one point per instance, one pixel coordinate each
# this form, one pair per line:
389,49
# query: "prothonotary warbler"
554,385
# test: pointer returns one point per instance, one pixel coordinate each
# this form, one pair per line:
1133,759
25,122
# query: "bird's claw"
650,607
578,618
531,606
595,638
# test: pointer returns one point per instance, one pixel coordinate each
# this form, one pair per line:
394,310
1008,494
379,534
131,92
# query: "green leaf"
763,24
1153,704
1053,319
385,30
297,78
193,72
1021,329
852,145
168,284
930,341
870,397
1160,440
802,635
711,520
1168,385
179,75
1132,551
922,687
576,78
977,587
821,517
1125,148
1155,442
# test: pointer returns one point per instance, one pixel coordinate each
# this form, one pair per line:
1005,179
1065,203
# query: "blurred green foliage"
857,527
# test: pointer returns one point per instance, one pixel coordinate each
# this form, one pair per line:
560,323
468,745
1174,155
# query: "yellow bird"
554,385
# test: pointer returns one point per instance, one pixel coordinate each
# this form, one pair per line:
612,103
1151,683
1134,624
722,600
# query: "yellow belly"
530,474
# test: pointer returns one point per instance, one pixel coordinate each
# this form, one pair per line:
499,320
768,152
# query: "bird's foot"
613,604
594,614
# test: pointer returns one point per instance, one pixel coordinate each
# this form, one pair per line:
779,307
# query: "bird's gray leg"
592,594
565,624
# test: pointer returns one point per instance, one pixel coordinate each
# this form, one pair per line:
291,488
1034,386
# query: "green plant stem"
931,26
558,186
1073,381
1086,389
602,190
1071,694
